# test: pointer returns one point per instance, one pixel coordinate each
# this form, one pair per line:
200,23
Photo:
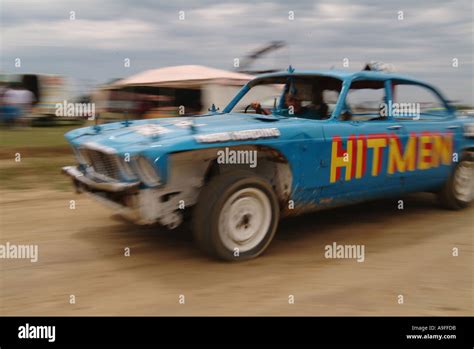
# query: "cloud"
214,33
340,12
103,34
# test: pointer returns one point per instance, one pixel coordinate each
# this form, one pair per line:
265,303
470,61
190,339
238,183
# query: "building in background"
169,92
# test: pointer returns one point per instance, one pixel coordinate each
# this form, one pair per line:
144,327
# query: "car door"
357,144
358,159
429,132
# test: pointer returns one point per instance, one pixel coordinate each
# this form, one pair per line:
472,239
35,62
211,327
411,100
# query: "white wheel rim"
463,185
245,219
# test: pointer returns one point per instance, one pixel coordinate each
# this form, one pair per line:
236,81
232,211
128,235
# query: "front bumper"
139,205
119,196
82,182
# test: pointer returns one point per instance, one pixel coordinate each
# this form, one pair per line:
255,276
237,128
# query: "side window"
330,98
363,101
415,102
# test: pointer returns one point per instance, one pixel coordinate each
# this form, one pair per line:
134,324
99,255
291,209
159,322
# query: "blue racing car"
287,143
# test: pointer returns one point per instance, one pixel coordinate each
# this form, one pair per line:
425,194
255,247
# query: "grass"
43,152
34,137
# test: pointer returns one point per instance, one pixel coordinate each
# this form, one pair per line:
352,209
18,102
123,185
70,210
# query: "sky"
89,40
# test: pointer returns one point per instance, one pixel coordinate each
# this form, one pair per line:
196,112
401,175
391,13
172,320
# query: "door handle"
394,127
453,127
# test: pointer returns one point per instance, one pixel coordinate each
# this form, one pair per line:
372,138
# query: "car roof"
345,75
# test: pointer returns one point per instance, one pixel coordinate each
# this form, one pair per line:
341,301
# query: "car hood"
128,135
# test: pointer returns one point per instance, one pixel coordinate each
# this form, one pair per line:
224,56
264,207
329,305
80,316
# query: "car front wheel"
236,216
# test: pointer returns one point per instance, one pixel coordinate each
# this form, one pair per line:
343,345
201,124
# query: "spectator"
18,102
3,89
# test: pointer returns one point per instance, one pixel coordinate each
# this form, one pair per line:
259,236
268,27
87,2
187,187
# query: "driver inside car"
295,108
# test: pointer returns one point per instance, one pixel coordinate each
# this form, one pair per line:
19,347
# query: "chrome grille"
104,164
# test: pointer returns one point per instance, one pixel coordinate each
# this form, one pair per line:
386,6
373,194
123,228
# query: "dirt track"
81,252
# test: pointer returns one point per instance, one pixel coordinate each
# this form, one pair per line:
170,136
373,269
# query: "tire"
458,191
236,216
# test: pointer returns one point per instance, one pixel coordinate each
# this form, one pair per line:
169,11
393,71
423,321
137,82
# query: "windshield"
312,97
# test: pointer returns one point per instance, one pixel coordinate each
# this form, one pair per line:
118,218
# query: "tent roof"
183,75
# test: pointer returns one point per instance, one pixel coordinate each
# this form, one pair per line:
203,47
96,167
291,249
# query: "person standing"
18,102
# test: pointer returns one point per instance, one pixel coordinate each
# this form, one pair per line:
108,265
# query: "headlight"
147,172
82,156
126,168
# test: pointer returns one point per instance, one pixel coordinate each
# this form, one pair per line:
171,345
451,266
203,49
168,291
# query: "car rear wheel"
458,191
236,216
